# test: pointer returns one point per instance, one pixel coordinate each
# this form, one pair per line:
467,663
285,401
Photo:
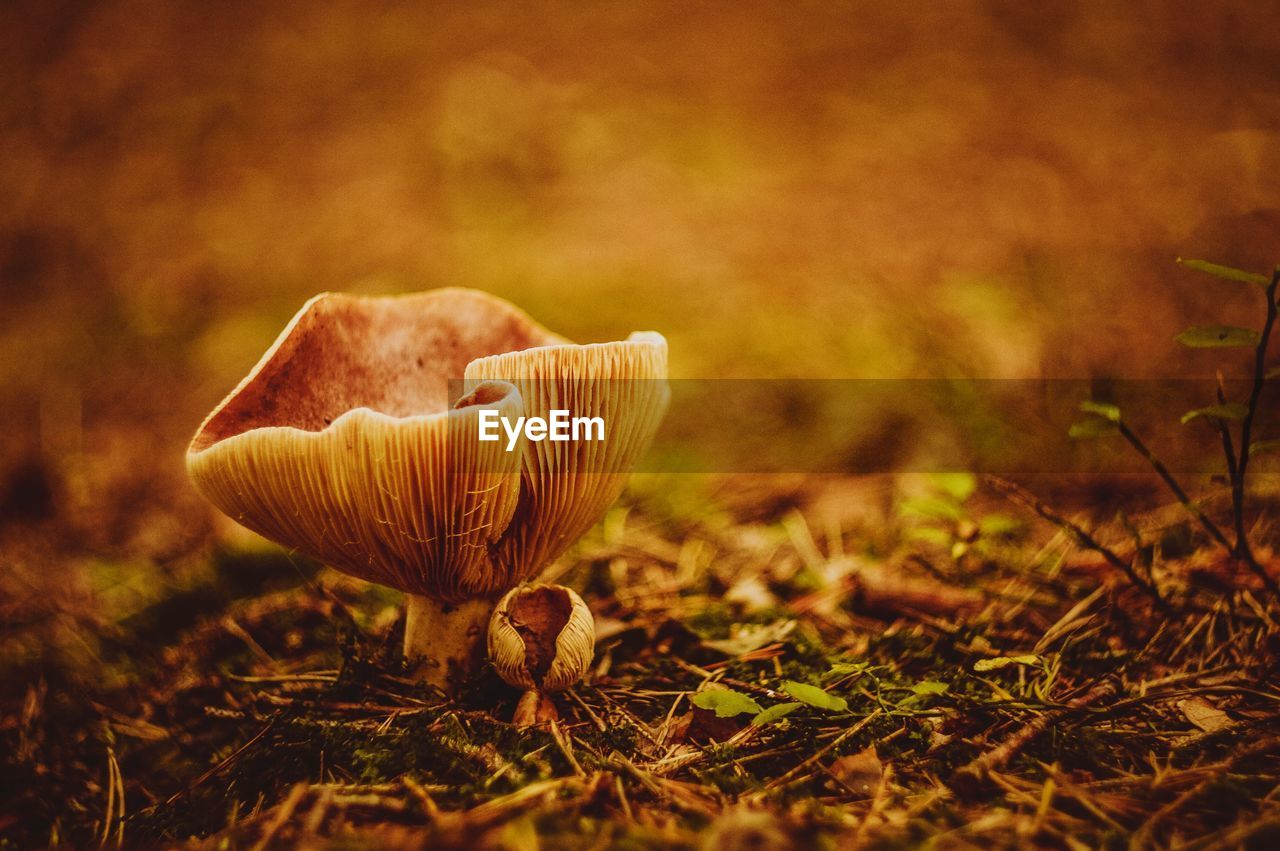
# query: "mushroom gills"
344,443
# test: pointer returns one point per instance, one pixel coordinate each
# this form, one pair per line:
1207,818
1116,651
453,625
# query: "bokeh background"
983,188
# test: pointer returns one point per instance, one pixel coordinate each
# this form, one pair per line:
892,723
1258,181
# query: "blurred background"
812,190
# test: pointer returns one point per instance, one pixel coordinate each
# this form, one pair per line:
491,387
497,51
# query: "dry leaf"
1204,714
859,773
752,594
745,638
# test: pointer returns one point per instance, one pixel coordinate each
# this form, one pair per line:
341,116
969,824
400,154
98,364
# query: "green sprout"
1234,420
944,518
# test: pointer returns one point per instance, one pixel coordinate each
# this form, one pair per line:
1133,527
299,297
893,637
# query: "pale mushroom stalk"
534,709
441,638
346,443
541,640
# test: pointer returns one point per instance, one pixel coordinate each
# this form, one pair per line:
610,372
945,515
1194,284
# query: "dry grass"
832,190
1003,690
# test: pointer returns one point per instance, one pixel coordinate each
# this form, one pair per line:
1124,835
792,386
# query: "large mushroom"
355,440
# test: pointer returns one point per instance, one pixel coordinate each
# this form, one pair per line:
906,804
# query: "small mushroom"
541,639
355,440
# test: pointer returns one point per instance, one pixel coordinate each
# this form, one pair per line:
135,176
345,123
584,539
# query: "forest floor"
960,675
830,191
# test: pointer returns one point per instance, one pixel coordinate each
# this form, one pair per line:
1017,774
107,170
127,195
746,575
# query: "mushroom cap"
567,486
344,443
541,637
395,355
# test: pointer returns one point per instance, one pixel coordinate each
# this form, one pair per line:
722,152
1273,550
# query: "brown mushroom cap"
541,637
341,442
392,354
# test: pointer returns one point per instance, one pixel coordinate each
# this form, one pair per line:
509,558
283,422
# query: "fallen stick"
1021,495
975,774
283,814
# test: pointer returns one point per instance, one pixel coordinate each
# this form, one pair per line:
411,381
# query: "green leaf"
1226,272
844,669
930,535
1218,337
998,526
1102,409
773,713
1004,661
1089,429
959,486
1262,447
726,702
929,687
935,507
1227,411
815,696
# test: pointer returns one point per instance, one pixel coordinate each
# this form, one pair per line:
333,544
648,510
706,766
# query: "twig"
975,773
283,814
1236,837
621,791
1081,797
558,736
1231,839
538,792
425,801
115,801
1241,549
1024,497
1068,621
591,713
223,764
826,749
1163,472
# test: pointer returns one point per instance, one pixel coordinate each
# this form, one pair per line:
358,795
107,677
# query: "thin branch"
976,772
1163,472
1024,497
1242,549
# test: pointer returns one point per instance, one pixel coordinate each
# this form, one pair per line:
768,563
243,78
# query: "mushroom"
541,639
355,440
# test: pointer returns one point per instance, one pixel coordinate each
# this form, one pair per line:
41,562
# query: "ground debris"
1032,705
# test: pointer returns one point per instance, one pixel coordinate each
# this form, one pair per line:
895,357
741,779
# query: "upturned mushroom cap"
344,444
541,637
567,486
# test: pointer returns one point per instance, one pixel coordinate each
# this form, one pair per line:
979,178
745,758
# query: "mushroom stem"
534,708
444,642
